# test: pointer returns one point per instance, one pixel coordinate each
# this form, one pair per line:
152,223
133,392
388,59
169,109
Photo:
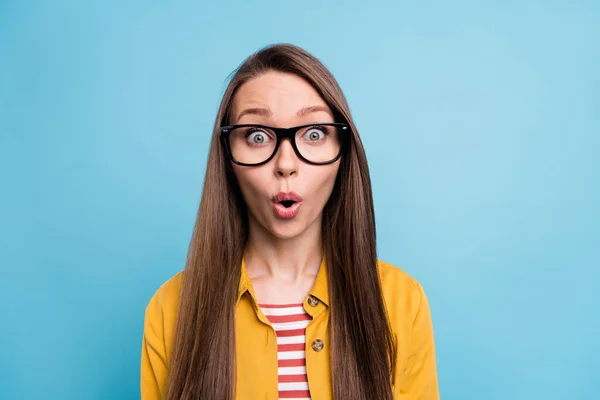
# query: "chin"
286,229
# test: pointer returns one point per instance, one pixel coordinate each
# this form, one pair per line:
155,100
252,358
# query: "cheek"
323,181
252,181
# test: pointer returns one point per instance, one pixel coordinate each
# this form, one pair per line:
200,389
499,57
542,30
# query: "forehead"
284,94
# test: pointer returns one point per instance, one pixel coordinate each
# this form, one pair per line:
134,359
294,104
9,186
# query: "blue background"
481,123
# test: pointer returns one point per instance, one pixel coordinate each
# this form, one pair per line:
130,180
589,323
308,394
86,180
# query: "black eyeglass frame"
282,133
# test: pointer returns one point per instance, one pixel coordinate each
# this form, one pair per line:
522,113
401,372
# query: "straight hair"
363,350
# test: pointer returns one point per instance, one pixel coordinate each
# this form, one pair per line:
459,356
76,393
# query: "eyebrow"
312,109
265,112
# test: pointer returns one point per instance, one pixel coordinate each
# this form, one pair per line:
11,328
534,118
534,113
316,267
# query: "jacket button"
317,345
313,301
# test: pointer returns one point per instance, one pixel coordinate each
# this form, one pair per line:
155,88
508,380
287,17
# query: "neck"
289,259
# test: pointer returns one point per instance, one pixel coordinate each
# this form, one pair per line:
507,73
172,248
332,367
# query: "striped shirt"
289,322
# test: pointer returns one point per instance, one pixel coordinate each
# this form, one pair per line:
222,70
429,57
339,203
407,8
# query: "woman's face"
278,99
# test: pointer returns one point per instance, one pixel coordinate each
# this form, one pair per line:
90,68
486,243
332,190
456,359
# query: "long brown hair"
202,364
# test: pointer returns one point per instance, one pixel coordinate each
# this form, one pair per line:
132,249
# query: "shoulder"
165,299
159,326
394,278
161,316
403,294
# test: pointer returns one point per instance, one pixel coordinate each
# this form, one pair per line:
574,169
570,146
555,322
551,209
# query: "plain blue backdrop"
481,123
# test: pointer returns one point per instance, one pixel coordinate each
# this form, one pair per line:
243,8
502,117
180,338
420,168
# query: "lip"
282,196
286,213
290,212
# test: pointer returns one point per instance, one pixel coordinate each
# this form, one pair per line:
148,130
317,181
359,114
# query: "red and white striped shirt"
289,322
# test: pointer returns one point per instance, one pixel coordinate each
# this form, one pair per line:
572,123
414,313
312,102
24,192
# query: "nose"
286,161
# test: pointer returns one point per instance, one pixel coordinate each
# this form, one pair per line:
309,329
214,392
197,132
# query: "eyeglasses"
253,145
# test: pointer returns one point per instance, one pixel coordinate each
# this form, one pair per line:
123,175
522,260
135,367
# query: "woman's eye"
314,134
257,137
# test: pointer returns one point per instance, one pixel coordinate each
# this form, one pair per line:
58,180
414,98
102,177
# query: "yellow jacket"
415,376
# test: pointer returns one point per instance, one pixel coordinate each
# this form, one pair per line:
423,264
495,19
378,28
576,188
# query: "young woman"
282,295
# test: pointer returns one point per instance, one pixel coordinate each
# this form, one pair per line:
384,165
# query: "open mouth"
287,203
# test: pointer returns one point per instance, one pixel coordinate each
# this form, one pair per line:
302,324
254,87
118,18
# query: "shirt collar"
244,280
320,288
